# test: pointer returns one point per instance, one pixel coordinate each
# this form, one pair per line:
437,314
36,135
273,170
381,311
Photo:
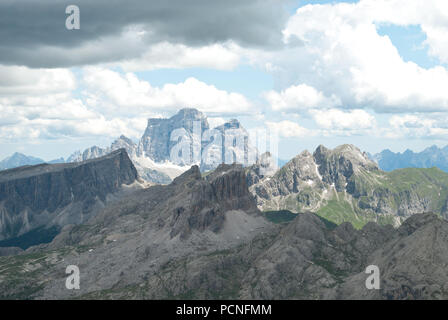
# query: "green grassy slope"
380,196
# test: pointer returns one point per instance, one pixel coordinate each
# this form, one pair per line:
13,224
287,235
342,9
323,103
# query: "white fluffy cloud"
431,15
127,94
336,49
18,80
34,100
38,104
335,119
418,126
300,97
289,129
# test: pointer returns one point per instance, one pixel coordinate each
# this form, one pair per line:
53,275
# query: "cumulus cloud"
17,80
288,129
39,104
337,50
126,94
418,126
335,119
53,112
300,97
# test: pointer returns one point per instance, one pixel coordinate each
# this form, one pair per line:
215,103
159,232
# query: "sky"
373,73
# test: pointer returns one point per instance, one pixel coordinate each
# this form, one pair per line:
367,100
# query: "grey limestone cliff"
59,194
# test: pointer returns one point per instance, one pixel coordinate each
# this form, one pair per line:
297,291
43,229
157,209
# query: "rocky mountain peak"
126,143
189,113
338,165
231,124
156,143
321,150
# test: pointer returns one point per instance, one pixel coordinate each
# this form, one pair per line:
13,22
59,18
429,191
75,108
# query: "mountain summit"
169,146
156,143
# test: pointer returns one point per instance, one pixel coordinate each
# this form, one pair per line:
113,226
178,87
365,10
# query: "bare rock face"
156,141
207,200
343,184
231,189
338,166
299,177
59,194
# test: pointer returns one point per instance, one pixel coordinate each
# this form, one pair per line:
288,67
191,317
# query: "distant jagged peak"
17,155
125,139
432,156
305,153
21,159
185,114
302,160
190,175
94,152
126,143
192,113
231,124
75,157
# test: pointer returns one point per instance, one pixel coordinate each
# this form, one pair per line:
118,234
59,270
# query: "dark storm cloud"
33,32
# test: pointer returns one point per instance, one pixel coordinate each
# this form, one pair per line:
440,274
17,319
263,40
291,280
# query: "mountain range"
343,184
140,226
205,238
152,154
428,158
19,159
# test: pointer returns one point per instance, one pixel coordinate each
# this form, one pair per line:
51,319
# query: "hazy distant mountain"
428,158
18,160
156,141
60,160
